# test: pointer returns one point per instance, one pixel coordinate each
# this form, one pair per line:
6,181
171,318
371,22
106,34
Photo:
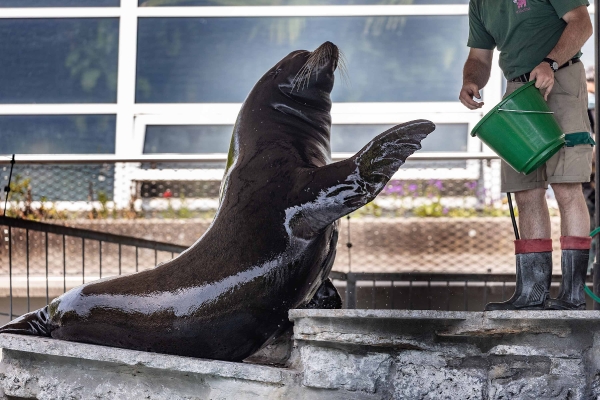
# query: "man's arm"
476,73
578,30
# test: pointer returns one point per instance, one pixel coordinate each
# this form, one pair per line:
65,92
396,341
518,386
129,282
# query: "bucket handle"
526,112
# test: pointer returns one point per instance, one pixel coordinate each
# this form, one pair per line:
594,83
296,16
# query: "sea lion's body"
270,246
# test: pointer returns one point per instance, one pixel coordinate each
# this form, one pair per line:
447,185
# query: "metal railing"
60,234
428,291
388,262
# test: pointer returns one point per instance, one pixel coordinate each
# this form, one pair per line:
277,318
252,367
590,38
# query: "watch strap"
553,64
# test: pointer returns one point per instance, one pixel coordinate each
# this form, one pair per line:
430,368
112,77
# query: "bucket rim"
495,109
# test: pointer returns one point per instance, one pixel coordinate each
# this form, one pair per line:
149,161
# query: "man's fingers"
467,93
466,99
548,89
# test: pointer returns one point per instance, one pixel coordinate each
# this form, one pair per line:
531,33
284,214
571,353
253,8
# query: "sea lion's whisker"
317,60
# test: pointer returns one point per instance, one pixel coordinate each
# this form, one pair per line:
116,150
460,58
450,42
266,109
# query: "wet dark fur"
271,244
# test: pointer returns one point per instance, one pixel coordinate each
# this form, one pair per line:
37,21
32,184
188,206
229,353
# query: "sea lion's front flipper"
337,189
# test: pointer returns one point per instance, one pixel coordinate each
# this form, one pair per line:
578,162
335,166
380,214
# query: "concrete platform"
338,354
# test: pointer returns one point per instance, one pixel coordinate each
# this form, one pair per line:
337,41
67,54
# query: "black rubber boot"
571,295
534,272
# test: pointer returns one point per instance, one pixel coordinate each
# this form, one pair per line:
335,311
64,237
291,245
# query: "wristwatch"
553,64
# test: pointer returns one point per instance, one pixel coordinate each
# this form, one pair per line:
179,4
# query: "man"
540,40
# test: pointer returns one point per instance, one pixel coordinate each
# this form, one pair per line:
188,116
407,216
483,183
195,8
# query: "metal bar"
89,234
392,296
503,287
46,250
349,246
596,269
155,257
100,257
10,314
426,276
136,259
512,216
350,291
46,246
465,297
485,294
27,267
429,295
64,264
119,258
7,188
212,158
373,296
410,304
341,276
83,259
447,295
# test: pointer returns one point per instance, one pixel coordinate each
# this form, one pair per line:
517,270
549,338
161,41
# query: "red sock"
533,246
575,242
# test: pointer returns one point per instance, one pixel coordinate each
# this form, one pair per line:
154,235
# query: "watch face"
554,65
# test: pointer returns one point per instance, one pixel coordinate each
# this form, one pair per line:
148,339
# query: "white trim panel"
57,109
306,11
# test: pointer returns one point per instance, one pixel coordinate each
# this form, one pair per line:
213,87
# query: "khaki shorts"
568,101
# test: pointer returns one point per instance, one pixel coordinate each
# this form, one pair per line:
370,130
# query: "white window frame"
132,118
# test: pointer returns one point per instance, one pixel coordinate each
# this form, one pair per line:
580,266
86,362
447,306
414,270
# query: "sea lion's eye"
276,72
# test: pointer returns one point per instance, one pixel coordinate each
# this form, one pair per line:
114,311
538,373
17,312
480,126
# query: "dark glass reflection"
166,3
198,139
446,137
394,59
59,3
57,134
70,60
187,139
351,138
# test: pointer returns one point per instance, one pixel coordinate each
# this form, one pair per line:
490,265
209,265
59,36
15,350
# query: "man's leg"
534,218
574,216
575,246
533,254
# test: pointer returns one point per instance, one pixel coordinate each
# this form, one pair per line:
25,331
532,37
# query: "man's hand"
544,78
475,75
467,92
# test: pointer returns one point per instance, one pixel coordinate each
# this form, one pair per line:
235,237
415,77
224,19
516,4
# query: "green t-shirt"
524,31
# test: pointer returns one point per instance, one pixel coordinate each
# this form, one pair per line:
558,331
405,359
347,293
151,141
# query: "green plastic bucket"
521,129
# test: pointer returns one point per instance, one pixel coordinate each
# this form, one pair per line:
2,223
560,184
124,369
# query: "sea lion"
271,244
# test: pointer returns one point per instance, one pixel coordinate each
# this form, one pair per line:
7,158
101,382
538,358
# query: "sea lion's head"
307,77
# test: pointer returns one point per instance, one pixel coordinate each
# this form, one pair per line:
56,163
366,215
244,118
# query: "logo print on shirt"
520,3
521,6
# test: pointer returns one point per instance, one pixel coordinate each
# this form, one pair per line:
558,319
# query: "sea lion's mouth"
325,59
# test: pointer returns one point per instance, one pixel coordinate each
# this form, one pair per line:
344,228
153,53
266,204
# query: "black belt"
525,77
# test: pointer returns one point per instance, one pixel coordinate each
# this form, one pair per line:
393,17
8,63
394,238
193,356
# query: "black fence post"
350,291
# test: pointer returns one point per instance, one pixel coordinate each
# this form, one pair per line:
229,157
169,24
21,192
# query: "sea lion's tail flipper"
34,323
337,189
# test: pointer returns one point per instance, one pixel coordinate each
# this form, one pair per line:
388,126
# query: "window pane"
351,138
163,3
198,139
59,60
57,134
417,58
68,182
192,139
59,3
588,49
